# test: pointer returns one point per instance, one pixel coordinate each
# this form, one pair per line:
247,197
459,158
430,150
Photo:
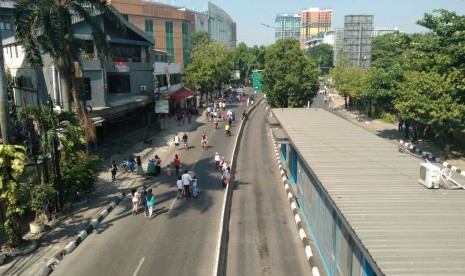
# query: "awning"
182,94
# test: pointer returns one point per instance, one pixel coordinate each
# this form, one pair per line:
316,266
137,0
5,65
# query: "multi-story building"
338,44
314,21
358,37
169,26
287,25
118,90
221,26
327,38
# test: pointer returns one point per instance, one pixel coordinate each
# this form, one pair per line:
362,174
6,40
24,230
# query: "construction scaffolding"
358,37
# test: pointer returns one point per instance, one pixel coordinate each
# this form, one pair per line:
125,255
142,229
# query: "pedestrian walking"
222,162
139,170
179,186
176,141
135,201
150,202
217,160
113,169
186,182
226,177
131,163
177,164
168,170
194,186
151,167
157,165
143,200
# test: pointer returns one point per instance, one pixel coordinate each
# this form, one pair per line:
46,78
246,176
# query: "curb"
295,211
355,116
80,237
429,156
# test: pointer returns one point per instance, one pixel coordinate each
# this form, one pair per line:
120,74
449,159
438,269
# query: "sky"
249,14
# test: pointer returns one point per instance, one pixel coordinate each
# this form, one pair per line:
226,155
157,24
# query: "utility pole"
56,162
4,107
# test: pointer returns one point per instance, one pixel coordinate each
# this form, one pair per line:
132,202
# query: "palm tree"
45,25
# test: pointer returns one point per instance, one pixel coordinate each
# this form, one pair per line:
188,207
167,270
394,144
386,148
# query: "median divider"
223,233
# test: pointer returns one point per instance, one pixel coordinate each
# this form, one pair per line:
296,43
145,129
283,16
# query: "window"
149,27
169,40
86,90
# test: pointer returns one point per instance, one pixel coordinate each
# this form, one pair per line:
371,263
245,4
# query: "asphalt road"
263,237
180,240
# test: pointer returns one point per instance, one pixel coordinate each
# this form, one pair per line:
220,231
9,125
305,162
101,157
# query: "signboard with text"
162,106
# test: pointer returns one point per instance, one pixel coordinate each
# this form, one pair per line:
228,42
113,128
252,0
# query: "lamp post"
56,162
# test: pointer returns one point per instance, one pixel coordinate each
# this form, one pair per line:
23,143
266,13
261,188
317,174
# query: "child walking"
168,170
194,186
179,186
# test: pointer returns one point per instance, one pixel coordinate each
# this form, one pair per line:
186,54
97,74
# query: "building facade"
338,44
287,25
314,21
358,37
327,38
221,26
169,26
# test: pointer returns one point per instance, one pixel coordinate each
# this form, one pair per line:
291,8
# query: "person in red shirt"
177,164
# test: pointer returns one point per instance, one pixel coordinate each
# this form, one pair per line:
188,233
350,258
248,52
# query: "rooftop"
405,227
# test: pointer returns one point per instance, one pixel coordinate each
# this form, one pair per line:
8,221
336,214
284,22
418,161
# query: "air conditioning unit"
143,88
429,175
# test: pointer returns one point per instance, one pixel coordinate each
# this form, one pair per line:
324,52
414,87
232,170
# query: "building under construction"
358,37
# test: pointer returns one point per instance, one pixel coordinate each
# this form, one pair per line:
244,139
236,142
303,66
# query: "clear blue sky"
248,14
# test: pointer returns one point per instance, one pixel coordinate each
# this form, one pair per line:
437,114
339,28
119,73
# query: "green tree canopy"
211,64
290,78
322,54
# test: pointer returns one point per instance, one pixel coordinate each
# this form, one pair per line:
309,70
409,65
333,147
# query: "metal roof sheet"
405,227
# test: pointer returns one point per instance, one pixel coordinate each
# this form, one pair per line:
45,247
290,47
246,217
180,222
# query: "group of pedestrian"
182,116
183,185
145,199
224,168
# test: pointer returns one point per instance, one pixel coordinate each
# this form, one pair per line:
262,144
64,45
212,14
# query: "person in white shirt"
186,182
194,186
226,177
176,140
217,160
179,185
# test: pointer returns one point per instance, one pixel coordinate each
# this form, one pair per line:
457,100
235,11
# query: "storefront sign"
162,106
121,66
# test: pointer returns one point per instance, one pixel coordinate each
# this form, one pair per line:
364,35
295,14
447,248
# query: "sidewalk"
390,131
66,231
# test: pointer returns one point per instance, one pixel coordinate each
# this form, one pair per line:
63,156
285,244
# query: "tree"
387,49
322,54
211,64
12,158
290,78
243,60
46,25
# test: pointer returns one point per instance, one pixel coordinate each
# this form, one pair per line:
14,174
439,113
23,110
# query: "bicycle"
186,145
204,143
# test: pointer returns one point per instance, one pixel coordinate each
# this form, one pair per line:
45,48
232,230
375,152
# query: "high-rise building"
221,26
358,37
287,25
338,44
314,21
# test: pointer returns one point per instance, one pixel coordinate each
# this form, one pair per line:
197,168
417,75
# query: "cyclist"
204,141
184,139
227,128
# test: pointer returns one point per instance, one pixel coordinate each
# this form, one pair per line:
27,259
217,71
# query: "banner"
162,106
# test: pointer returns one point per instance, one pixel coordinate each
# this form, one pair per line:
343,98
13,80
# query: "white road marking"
172,203
138,267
